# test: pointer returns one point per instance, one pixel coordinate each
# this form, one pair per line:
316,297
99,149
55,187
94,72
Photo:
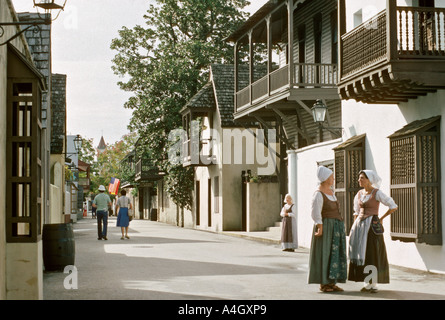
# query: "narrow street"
161,261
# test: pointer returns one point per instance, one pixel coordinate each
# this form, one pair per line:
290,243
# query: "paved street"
161,261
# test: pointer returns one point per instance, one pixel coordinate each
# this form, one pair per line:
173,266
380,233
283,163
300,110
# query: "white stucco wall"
378,122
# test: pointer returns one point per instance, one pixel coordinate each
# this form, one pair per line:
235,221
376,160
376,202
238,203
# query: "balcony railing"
315,75
419,33
146,171
305,75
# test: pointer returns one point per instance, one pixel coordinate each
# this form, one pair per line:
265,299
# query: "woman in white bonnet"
289,239
366,242
327,261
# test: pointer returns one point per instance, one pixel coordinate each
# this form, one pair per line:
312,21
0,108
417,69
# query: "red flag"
113,187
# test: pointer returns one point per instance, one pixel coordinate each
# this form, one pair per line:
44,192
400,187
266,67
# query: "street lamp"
50,4
47,6
78,143
319,111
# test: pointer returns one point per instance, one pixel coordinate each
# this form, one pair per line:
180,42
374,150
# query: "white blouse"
317,205
292,214
379,196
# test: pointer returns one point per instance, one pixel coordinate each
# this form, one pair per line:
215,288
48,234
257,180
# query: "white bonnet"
323,173
373,178
287,195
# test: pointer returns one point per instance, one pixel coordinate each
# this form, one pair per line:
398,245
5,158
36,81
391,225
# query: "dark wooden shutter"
349,160
416,182
23,150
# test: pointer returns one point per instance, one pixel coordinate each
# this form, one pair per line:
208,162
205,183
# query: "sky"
81,38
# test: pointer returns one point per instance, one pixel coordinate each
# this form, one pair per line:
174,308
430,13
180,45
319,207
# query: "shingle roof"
205,98
414,126
219,92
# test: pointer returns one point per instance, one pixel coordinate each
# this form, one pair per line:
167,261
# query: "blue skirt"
122,218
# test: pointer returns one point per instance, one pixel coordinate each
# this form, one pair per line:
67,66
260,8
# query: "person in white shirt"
123,218
289,238
327,260
366,242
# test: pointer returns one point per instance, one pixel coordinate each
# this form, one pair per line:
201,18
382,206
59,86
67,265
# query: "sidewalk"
165,262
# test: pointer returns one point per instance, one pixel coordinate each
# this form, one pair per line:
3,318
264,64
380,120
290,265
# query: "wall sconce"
319,111
47,6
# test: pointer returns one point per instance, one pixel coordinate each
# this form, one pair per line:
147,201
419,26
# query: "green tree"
164,64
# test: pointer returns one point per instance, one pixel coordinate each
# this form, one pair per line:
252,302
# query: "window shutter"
349,160
416,182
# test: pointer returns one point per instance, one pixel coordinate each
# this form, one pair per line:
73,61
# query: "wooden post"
235,75
341,24
269,53
391,30
290,41
251,64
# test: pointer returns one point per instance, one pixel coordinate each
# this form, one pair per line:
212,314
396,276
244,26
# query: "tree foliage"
165,63
108,164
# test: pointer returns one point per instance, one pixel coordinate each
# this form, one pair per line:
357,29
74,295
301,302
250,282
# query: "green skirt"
327,260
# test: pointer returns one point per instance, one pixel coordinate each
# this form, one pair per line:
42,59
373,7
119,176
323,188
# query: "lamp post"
47,6
78,143
319,111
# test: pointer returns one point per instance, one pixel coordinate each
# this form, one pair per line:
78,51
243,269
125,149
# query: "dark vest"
370,207
331,209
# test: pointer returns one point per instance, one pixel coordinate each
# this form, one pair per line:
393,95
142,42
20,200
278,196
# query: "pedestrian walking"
327,259
102,202
366,242
289,239
123,219
93,212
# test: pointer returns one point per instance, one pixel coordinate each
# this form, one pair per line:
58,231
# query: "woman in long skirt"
327,260
289,239
123,219
367,251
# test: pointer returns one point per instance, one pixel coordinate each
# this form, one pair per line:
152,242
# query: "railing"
279,78
145,170
419,33
365,45
308,75
315,75
262,87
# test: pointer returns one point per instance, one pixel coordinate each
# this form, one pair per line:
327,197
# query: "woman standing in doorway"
327,261
123,219
366,242
289,239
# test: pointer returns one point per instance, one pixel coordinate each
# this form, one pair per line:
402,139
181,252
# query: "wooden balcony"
310,81
146,171
397,55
